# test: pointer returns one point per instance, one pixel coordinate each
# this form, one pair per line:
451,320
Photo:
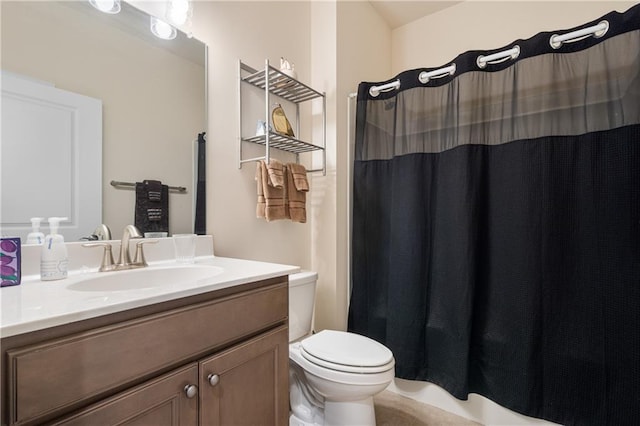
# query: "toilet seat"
346,352
337,376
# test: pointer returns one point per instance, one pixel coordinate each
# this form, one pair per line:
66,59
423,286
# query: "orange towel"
296,200
274,206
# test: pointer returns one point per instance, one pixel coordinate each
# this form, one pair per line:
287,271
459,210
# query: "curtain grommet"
496,58
556,41
425,76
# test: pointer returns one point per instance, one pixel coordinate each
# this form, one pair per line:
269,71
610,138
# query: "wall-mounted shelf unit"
274,83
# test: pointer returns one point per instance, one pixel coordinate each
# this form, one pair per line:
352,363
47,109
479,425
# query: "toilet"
333,375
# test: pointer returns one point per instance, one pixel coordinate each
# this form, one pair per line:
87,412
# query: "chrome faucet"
124,261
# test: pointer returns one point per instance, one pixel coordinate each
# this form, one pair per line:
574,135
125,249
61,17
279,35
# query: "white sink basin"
146,278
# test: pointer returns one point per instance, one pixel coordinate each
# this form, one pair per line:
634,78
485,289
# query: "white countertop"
35,305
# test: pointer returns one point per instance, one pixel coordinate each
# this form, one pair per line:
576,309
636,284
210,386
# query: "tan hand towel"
296,200
276,173
261,205
299,176
274,200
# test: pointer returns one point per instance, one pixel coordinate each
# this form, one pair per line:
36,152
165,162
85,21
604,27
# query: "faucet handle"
139,256
107,257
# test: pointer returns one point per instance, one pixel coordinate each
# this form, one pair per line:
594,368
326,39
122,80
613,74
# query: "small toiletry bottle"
54,258
35,236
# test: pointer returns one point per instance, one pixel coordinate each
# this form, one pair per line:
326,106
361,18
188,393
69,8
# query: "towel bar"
180,189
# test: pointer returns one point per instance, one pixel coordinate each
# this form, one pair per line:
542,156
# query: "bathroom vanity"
211,351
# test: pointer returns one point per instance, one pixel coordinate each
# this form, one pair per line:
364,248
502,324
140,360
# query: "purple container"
10,261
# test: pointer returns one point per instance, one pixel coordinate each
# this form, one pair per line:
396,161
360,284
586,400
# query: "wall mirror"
153,97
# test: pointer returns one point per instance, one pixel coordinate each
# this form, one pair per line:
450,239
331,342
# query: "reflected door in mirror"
55,167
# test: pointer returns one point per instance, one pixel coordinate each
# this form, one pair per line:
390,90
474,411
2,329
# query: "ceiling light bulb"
179,11
106,6
178,17
162,30
180,4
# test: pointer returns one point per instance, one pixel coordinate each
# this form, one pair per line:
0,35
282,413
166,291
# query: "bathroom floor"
396,410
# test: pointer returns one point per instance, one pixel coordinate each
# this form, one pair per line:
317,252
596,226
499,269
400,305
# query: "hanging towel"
200,226
296,199
299,176
274,201
152,206
276,173
261,205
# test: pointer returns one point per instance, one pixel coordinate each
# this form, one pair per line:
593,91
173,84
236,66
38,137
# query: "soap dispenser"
35,236
54,258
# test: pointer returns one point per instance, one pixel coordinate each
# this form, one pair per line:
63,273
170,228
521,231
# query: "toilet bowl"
333,375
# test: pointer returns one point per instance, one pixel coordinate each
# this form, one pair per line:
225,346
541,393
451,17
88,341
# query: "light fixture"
162,30
179,12
106,6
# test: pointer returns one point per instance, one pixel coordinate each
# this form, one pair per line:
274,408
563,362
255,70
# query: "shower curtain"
496,225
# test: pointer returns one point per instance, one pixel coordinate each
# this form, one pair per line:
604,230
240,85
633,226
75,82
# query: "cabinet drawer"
54,377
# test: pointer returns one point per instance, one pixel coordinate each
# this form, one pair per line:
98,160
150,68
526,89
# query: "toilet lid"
339,349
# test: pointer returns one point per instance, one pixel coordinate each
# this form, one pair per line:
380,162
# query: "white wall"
436,40
350,43
330,312
252,32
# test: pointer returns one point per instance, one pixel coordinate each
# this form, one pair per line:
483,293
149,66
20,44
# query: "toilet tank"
302,294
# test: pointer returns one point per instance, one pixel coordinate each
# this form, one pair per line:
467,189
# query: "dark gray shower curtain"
496,226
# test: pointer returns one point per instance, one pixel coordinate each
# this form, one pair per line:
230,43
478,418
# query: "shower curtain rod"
555,41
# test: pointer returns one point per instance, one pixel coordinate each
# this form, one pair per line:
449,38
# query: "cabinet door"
159,402
247,384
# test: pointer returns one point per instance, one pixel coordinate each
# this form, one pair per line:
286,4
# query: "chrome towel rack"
117,183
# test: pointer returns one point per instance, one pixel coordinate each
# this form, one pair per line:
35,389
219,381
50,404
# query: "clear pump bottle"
35,236
54,258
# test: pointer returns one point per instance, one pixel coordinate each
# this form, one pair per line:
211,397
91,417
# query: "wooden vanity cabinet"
219,358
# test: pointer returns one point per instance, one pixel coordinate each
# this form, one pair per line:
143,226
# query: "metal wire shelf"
275,83
281,85
284,143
